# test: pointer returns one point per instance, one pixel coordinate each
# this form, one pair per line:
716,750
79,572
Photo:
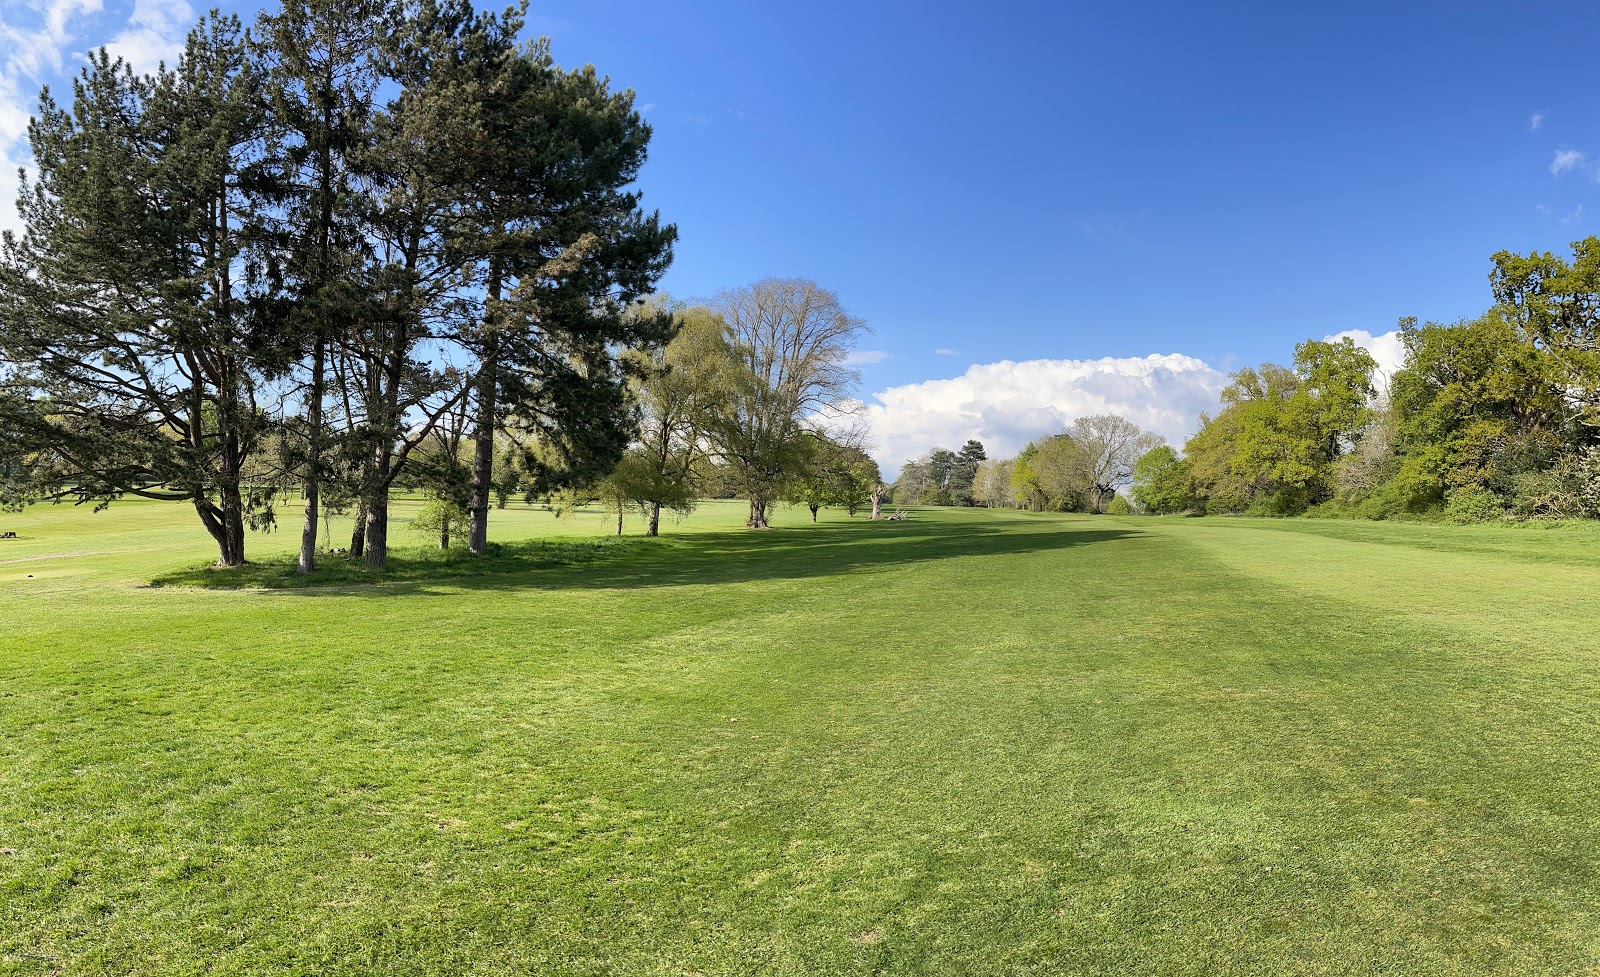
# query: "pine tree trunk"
653,528
313,489
232,503
483,433
482,465
383,461
358,535
225,523
377,549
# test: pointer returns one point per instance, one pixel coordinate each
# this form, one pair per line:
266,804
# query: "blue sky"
1070,182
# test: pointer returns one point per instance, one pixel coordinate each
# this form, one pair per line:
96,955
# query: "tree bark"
619,520
377,548
814,512
358,535
482,465
877,501
313,489
225,523
653,528
758,513
483,433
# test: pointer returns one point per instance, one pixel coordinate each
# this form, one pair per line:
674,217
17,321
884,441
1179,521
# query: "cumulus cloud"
32,49
1386,348
37,41
13,149
1007,404
154,34
1565,159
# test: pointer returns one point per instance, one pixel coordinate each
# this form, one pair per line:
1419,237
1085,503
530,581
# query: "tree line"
371,244
1081,469
1492,417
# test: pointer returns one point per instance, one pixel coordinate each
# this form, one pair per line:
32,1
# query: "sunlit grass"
968,743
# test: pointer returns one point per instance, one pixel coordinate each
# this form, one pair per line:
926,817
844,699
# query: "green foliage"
992,483
444,520
1476,407
1118,506
1161,481
1275,445
834,474
1555,304
1474,505
1568,489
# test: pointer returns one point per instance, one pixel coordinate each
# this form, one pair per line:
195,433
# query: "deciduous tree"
790,340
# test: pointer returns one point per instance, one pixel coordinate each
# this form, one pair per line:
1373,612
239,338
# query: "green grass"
968,743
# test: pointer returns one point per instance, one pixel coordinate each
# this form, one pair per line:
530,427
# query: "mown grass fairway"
970,743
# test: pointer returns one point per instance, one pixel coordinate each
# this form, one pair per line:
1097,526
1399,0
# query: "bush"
1118,506
1568,489
1474,505
446,521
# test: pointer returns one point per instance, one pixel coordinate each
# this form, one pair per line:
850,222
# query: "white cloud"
1536,120
155,34
1565,159
1573,217
866,357
1386,348
37,41
33,51
1007,404
946,351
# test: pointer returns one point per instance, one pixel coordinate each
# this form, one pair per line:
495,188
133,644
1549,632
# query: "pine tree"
126,303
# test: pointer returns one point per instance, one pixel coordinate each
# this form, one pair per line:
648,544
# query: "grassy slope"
968,743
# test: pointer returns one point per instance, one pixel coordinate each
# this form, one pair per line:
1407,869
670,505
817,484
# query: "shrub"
1474,505
447,521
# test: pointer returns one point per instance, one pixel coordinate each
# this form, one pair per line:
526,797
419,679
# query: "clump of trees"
1492,417
1275,445
1082,469
941,477
750,398
789,382
286,259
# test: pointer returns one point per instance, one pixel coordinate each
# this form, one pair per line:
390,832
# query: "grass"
969,743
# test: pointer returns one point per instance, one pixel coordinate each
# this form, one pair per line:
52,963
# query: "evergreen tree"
563,251
126,303
320,79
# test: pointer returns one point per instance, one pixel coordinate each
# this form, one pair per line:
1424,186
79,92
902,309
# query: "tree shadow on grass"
690,559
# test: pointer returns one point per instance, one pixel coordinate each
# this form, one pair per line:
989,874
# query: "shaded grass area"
406,565
967,743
